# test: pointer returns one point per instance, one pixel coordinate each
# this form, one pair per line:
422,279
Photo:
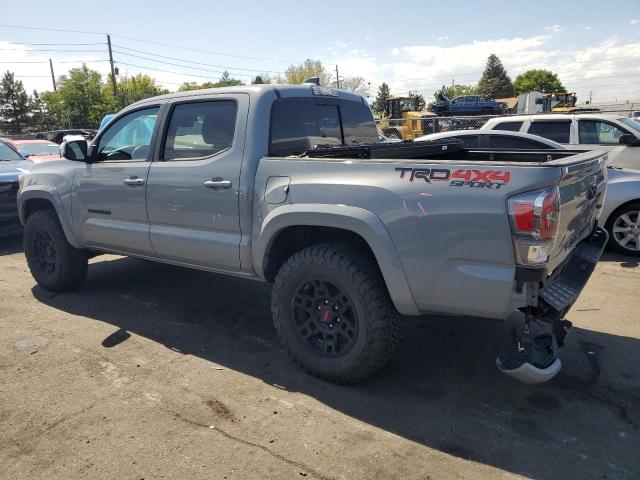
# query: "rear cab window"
299,124
556,130
509,126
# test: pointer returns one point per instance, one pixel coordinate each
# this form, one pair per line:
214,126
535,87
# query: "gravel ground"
151,371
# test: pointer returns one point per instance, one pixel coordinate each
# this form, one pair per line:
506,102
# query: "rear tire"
333,314
623,227
54,263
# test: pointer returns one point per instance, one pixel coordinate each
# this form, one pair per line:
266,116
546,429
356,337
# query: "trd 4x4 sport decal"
458,178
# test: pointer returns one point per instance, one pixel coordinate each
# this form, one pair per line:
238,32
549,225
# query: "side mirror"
24,153
74,150
629,139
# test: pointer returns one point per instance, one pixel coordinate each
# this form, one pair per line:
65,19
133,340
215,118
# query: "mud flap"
537,335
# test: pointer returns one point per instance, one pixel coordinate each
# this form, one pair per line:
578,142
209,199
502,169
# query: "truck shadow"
10,245
442,390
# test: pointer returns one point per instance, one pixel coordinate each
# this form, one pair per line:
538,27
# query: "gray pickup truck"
290,185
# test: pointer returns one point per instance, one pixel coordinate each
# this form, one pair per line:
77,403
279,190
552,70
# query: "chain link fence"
436,124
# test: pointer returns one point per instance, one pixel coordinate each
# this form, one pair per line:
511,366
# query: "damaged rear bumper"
537,334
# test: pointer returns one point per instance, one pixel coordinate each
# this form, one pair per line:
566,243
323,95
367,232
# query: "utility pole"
337,78
453,82
113,70
590,93
53,77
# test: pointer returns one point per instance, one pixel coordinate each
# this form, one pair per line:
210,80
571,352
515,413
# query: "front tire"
54,263
333,313
624,230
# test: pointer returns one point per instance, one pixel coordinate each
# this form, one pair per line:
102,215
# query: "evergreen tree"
380,104
495,82
14,104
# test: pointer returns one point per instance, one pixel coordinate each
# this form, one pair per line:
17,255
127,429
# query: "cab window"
129,137
510,126
200,129
558,131
599,132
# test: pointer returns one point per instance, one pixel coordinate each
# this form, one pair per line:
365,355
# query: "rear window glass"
557,131
505,141
510,126
468,141
299,124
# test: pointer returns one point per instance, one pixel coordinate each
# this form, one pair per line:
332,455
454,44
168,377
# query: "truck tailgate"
582,188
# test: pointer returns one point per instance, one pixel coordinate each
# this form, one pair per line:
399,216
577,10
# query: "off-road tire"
613,242
356,274
65,267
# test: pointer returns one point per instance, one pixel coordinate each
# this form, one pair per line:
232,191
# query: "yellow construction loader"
405,119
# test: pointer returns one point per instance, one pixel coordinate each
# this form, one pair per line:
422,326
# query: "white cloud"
634,21
443,38
609,69
555,28
588,27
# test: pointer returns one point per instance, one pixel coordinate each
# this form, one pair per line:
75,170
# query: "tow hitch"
537,335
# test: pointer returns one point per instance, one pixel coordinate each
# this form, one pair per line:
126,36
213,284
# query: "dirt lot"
151,371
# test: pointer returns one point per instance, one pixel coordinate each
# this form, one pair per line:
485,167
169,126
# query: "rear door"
193,189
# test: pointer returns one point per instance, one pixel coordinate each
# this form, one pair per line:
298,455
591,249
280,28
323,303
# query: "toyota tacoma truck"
290,185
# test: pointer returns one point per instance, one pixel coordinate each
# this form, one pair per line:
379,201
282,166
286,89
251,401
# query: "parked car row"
621,211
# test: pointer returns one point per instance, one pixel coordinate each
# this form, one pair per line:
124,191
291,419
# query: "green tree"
380,104
14,104
421,102
538,81
82,99
227,81
261,79
131,90
40,119
494,81
354,84
295,74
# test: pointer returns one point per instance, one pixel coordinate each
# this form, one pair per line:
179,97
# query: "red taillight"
534,221
523,217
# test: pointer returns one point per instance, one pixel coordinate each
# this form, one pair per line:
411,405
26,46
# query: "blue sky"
594,46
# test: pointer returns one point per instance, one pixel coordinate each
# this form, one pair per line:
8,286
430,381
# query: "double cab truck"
290,185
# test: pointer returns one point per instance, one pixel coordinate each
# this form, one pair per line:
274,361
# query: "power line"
179,65
26,27
49,50
57,61
166,71
57,44
212,52
194,62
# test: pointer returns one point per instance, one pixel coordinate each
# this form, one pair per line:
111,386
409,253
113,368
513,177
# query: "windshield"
40,148
8,154
632,124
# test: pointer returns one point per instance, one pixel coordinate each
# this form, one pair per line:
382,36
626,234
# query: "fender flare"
354,219
48,193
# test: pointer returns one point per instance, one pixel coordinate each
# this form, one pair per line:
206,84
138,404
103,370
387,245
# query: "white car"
619,135
621,209
483,139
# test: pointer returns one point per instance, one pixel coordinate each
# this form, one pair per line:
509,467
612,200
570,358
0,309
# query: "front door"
603,135
193,188
108,204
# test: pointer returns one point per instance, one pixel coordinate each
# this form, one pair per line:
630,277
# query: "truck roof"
283,90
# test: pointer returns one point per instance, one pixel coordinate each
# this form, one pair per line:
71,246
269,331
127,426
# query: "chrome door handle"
218,184
133,181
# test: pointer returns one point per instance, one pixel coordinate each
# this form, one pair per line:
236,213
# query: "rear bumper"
565,284
538,334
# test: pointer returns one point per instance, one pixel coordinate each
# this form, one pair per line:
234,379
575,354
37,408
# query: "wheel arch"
290,228
38,199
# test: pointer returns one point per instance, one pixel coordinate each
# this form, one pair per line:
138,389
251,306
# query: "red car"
36,150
